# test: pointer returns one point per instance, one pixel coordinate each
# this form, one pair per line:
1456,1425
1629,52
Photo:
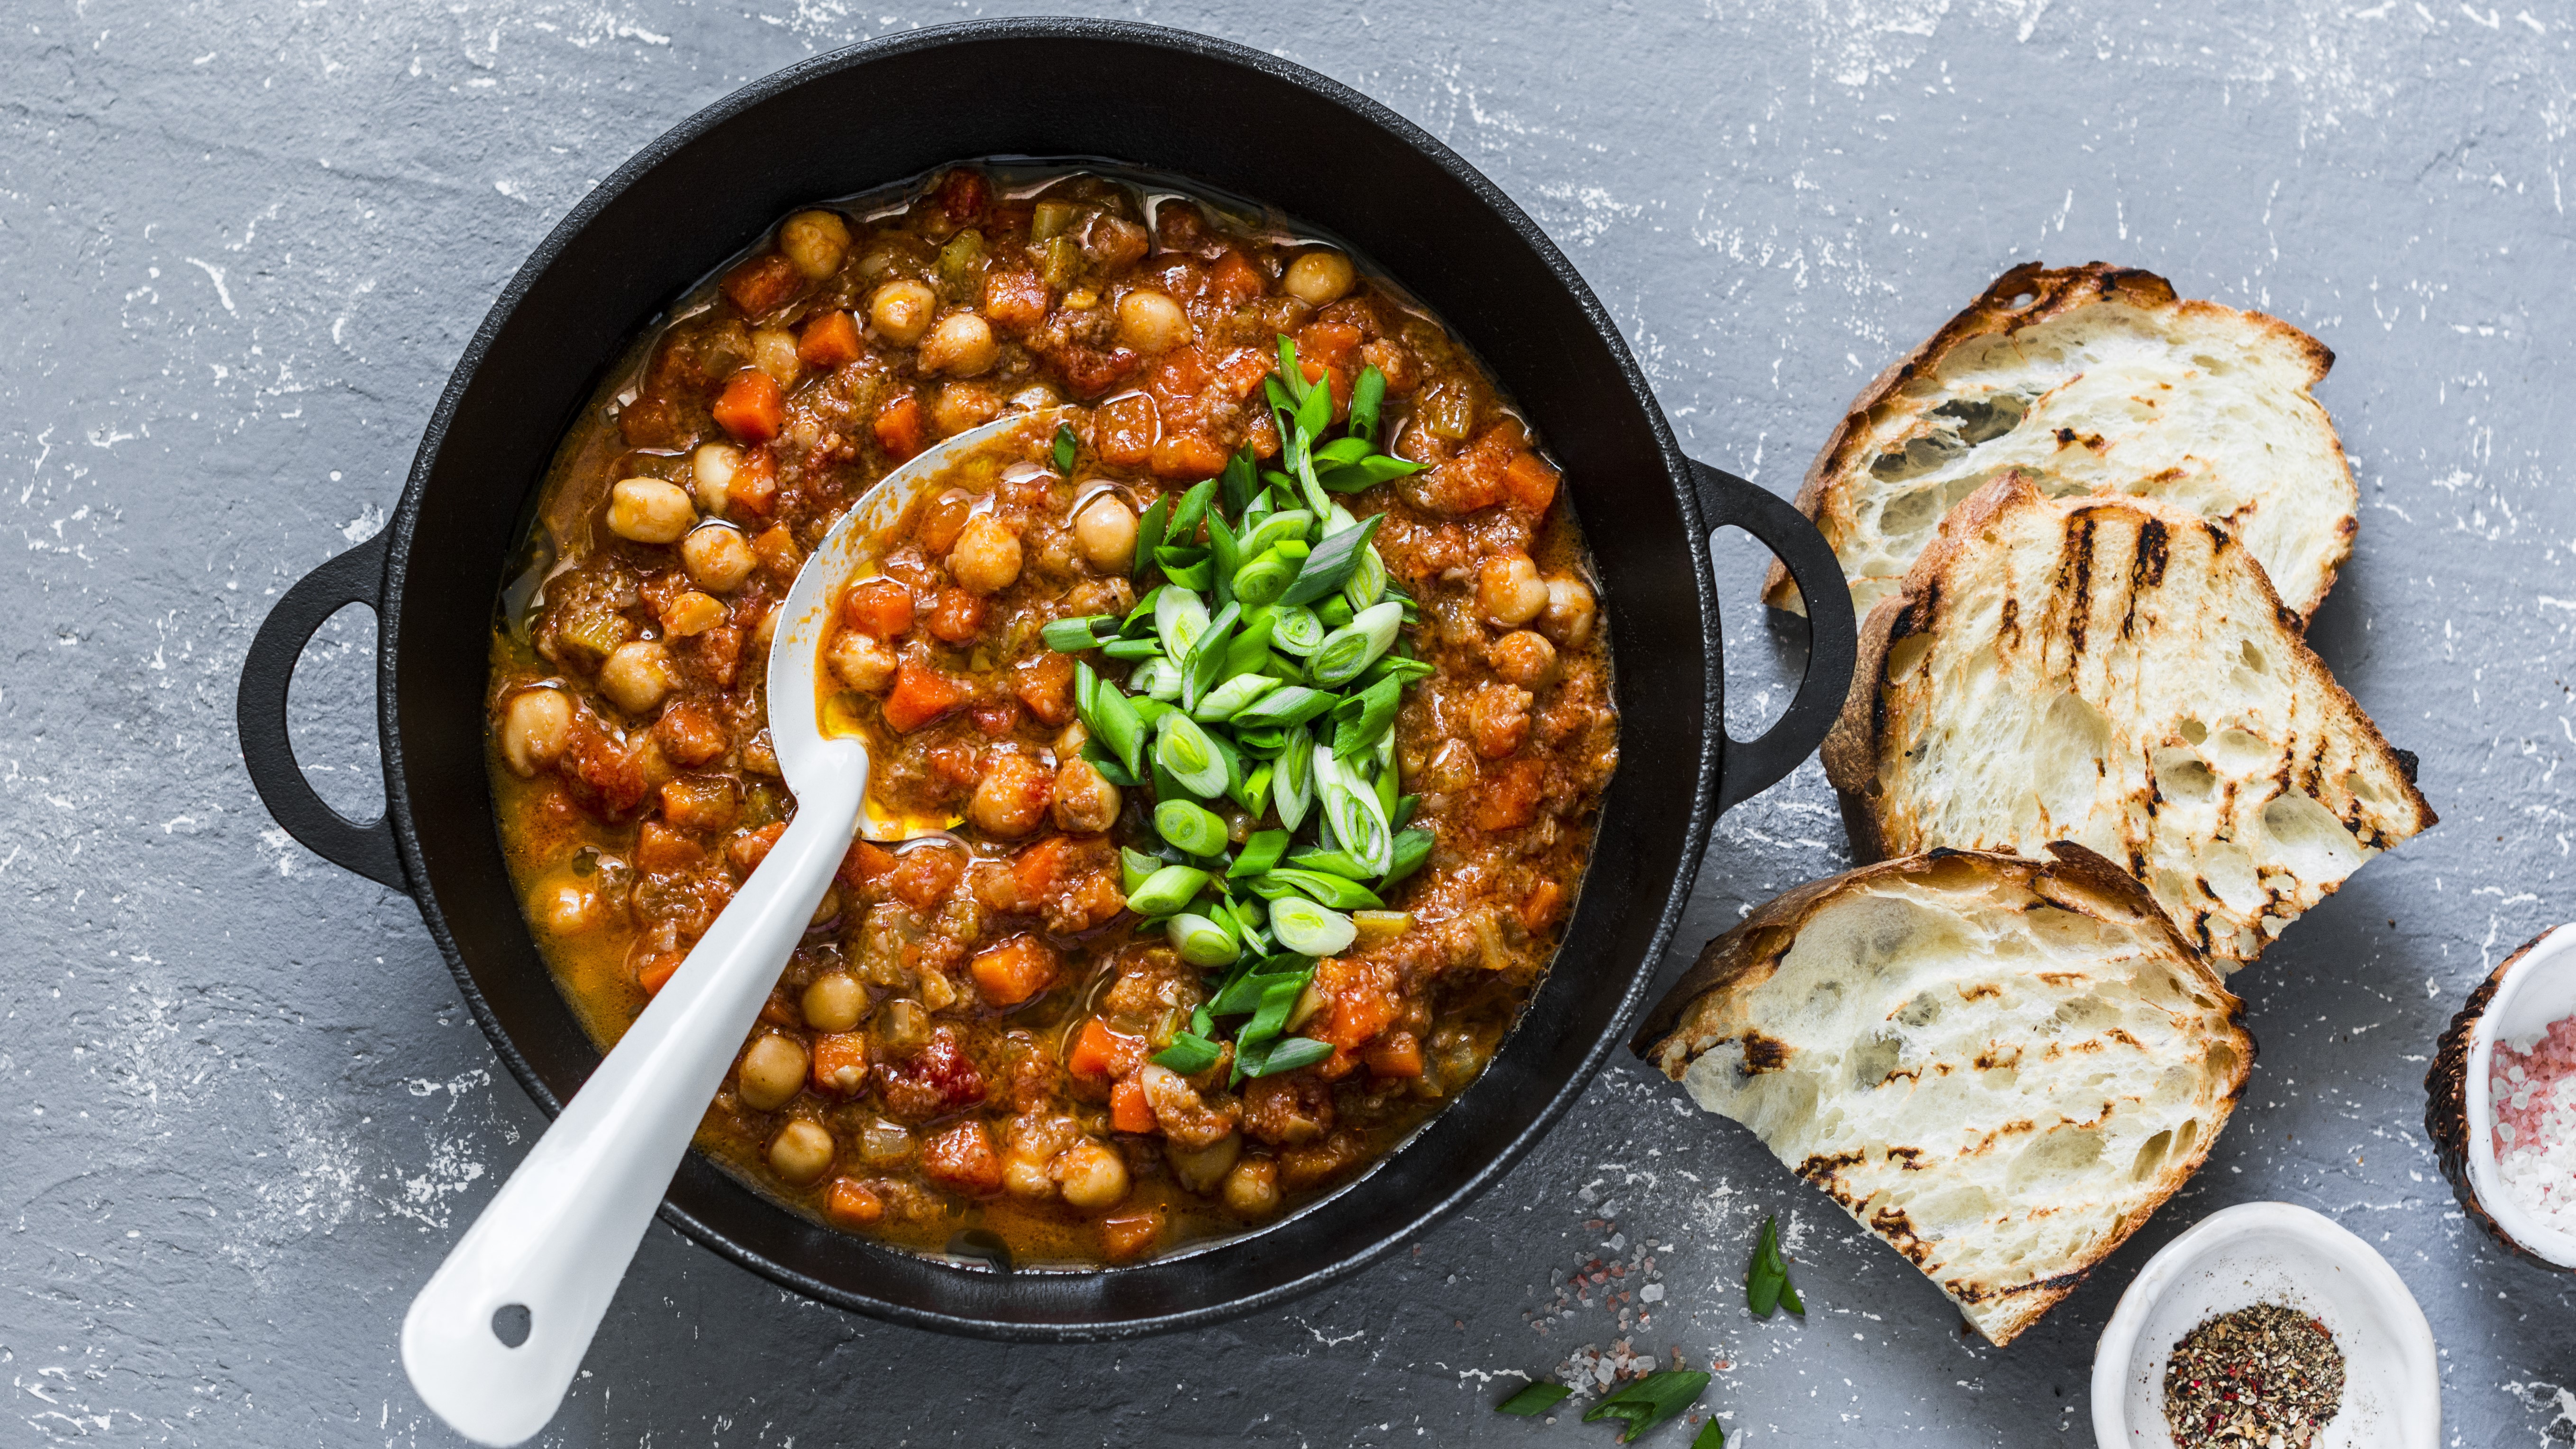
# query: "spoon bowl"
496,1335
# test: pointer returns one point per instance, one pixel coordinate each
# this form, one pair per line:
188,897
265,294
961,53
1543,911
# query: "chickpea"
636,675
986,558
1252,1189
1509,589
1200,1169
1318,278
773,351
963,405
565,908
900,311
962,345
648,510
1092,1175
1152,323
833,1002
1568,619
712,468
1022,1178
772,1073
861,662
1498,719
802,1151
717,557
1524,658
1105,530
1012,797
815,241
826,908
535,726
1085,802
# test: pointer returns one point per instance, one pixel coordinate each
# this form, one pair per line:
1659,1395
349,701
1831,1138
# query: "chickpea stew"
1251,725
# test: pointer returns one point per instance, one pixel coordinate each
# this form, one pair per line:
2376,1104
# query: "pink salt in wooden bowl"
2534,987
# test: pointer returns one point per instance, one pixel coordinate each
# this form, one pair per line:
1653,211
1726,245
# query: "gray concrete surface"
245,1112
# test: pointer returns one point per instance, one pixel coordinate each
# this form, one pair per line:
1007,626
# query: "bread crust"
1703,1011
1863,734
2053,292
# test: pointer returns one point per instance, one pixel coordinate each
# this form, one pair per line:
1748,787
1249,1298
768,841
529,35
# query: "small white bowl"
2532,988
2273,1252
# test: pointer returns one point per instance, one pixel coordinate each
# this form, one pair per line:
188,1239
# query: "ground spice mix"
2266,1375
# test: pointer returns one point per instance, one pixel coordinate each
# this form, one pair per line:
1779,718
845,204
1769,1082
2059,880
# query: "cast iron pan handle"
355,577
1833,648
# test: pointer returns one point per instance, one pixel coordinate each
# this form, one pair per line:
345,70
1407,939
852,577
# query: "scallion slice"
1287,705
1412,848
1186,752
1135,867
1223,702
1131,649
1368,394
1360,721
1261,850
1167,890
1331,564
1157,678
1356,645
1298,631
1290,1054
1110,718
1072,636
1292,789
1180,616
1192,827
1192,510
1331,890
1149,532
1201,941
1278,528
1309,929
1351,805
1189,1054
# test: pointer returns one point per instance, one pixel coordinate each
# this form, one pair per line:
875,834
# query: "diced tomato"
1397,1054
1045,685
1015,299
1123,430
1263,434
1530,481
962,1159
995,718
1130,1234
841,1062
655,970
689,734
956,616
700,803
899,426
762,285
850,1203
932,1082
750,407
924,875
1332,344
1093,370
1509,797
719,652
1181,373
1014,971
751,847
659,850
1099,1054
1243,369
1546,900
829,340
921,694
1188,457
1128,1109
777,551
1362,997
755,483
963,195
880,608
1235,280
864,863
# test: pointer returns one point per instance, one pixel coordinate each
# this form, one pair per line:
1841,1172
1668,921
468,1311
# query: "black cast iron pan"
1242,122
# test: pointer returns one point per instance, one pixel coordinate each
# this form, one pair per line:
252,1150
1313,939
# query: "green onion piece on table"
1649,1401
1309,929
1710,1435
1193,828
1766,1282
1167,890
1533,1399
1201,941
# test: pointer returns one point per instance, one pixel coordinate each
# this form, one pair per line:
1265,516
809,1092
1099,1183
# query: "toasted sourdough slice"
2097,379
2118,673
1999,1065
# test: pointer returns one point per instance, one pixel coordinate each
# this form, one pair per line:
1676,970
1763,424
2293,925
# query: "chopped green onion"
1278,528
1367,395
1368,581
1536,1398
1135,867
1278,998
1292,790
1289,1055
1224,701
1310,929
1180,616
1262,740
1194,575
1065,446
1290,376
1402,814
1110,767
1110,718
1356,645
1331,564
1167,890
1353,810
1290,704
1149,710
1331,890
1239,482
1338,862
1265,578
1224,553
1072,636
1189,1054
1131,649
1189,755
1360,721
1244,992
1335,612
1192,509
1157,677
1298,630
1261,850
1194,828
1201,941
1366,473
1206,660
1412,848
1149,532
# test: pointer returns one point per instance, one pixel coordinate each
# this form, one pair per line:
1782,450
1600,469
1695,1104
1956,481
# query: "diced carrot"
1045,685
850,1203
962,1159
1539,912
750,848
829,340
1099,1053
1243,369
924,875
689,734
1330,343
1398,1054
1181,373
1124,429
864,863
899,426
754,487
1129,1235
841,1062
1363,1000
1188,457
750,407
656,969
956,616
921,694
762,285
1014,971
1509,797
777,551
1128,1109
660,849
1015,299
1530,481
1235,279
879,608
698,802
1043,866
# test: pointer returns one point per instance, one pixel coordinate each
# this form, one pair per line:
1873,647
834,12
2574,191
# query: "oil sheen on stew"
978,1032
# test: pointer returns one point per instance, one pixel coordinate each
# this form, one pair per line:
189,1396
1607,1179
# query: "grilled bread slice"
2116,672
2097,379
1999,1065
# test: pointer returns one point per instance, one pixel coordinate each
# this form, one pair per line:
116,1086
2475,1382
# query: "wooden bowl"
2535,986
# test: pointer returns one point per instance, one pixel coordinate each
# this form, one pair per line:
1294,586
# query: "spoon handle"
556,1239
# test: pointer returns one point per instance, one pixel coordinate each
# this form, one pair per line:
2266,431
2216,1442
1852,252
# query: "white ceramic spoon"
554,1242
